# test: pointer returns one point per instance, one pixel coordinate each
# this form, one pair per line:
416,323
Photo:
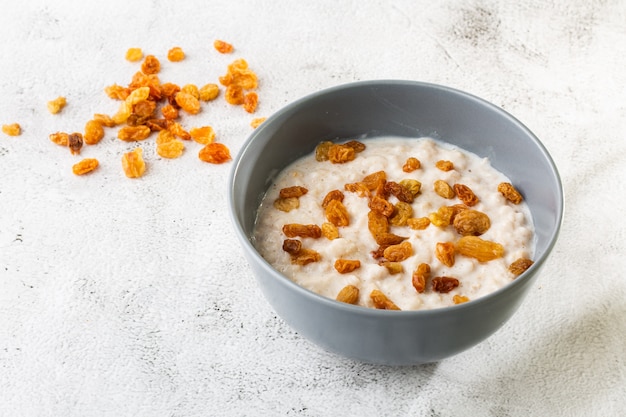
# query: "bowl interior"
408,109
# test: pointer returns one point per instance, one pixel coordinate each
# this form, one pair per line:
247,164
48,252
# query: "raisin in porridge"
395,223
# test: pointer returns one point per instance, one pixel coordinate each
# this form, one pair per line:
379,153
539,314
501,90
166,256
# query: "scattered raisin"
330,231
444,284
286,204
150,65
420,276
56,105
465,194
75,142
411,165
348,294
443,189
471,222
381,301
340,154
176,54
85,166
214,153
444,251
399,252
332,195
345,266
510,193
94,132
12,129
292,246
133,163
294,191
302,230
519,266
337,214
477,248
222,47
444,165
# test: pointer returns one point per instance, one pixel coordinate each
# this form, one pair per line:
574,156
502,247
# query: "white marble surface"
127,297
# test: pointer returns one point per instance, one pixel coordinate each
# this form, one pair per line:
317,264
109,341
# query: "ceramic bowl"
407,109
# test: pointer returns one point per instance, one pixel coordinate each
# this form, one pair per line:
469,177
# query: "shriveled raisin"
477,248
294,191
519,266
56,105
75,142
133,133
250,101
172,149
442,217
444,251
375,180
94,132
256,122
444,165
321,151
337,214
191,89
104,120
85,166
332,195
133,164
222,47
471,222
305,256
444,284
465,194
178,130
215,153
411,164
169,112
419,223
378,226
400,192
381,206
176,54
402,212
302,230
356,145
420,276
292,246
60,138
188,102
345,266
359,188
460,299
151,65
286,204
164,136
209,92
134,54
443,189
348,294
12,129
381,301
392,267
399,252
412,186
203,135
509,192
330,231
234,94
340,154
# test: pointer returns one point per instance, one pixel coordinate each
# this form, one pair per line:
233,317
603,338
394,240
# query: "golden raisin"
286,204
56,105
188,102
209,92
420,276
234,94
85,166
381,206
12,129
294,191
356,145
164,136
411,165
444,284
257,122
203,135
305,257
420,223
444,165
392,267
178,130
60,138
375,180
471,223
359,188
191,89
250,102
339,154
459,299
378,226
401,192
509,192
150,65
133,133
172,149
381,301
399,252
443,189
330,231
222,47
412,186
321,151
214,153
402,212
337,214
104,120
134,54
133,163
176,54
169,112
75,142
144,108
465,194
442,217
444,251
477,248
519,266
332,195
302,230
94,132
345,266
348,294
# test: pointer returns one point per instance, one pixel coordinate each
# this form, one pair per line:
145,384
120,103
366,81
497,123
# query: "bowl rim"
372,312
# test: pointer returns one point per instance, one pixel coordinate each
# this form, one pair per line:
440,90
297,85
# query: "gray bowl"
408,109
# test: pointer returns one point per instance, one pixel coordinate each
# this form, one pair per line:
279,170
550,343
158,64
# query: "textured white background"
127,297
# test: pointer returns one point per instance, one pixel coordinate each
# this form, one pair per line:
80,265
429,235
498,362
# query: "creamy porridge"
395,223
